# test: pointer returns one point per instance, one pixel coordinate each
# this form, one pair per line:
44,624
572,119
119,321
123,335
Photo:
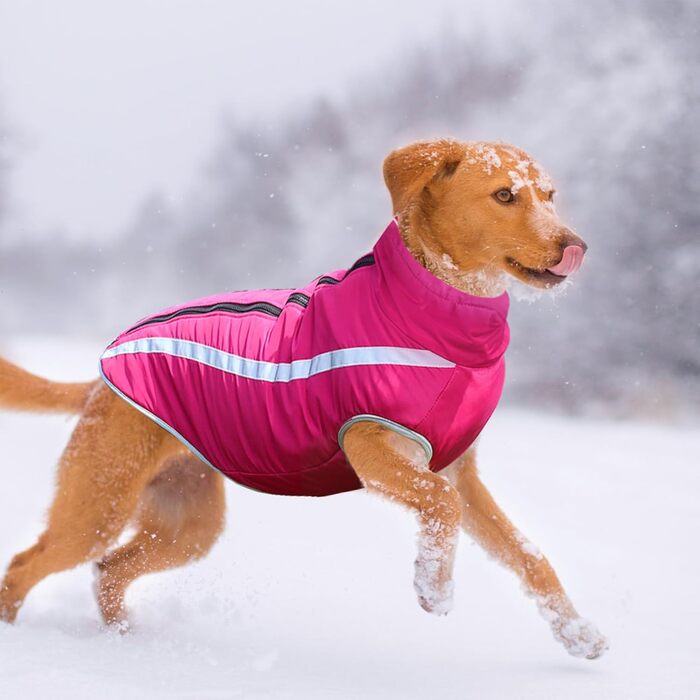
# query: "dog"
379,376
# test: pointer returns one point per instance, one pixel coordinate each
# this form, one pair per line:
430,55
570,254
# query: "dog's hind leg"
486,523
181,515
113,452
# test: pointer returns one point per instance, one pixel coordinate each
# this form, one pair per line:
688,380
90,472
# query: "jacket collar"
468,330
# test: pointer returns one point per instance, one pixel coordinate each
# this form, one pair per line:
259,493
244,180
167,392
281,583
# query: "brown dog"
473,214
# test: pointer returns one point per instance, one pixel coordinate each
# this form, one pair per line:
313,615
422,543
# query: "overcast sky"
108,101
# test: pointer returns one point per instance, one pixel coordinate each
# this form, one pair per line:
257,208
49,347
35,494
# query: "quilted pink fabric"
260,383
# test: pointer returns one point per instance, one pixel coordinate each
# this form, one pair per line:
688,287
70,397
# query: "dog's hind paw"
110,600
120,626
9,605
8,613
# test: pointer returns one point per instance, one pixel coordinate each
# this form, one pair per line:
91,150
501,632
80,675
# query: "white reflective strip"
282,371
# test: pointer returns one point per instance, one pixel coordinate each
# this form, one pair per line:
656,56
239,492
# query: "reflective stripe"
282,371
396,427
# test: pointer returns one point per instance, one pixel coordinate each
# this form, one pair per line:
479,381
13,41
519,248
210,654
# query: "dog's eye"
504,196
550,195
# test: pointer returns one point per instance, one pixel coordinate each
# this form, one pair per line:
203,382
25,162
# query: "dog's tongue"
571,261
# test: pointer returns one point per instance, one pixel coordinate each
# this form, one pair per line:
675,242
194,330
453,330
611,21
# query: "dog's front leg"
396,467
486,523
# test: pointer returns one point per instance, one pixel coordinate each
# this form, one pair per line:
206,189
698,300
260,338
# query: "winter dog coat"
263,384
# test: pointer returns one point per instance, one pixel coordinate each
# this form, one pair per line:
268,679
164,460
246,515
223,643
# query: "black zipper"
264,307
364,261
232,307
298,298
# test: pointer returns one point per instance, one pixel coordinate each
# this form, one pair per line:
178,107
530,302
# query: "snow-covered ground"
313,598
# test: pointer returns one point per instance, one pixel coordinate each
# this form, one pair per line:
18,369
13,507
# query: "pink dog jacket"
263,384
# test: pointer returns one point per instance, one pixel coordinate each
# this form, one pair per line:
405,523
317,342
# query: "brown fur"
22,391
442,192
121,468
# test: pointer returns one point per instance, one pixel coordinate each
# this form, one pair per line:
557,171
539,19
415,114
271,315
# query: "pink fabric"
282,436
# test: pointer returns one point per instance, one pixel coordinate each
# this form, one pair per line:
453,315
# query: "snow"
313,598
436,554
528,547
487,155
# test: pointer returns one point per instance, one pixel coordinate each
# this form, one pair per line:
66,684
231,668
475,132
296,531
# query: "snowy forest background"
605,95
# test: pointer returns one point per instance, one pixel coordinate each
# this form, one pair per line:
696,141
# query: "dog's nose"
572,239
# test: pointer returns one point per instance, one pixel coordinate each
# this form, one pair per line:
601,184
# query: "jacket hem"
396,427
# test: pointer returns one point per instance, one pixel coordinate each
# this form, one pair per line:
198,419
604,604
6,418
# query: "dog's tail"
22,391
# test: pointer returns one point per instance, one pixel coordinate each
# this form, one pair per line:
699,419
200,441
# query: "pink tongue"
571,261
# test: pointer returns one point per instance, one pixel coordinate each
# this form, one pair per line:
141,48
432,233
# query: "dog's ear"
408,170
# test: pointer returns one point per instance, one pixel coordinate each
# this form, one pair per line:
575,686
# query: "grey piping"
396,427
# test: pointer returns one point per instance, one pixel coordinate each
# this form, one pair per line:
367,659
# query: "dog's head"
482,207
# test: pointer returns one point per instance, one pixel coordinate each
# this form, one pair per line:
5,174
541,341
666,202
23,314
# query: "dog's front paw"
433,597
580,638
